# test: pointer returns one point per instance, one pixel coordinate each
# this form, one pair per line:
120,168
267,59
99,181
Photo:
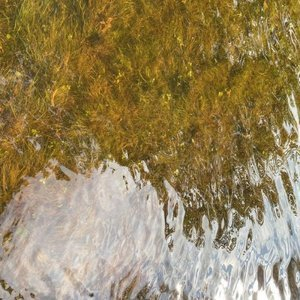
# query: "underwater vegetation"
193,89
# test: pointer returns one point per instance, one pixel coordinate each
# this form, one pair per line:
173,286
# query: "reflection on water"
108,236
183,117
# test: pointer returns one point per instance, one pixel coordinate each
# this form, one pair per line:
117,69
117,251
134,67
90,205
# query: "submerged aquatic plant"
193,88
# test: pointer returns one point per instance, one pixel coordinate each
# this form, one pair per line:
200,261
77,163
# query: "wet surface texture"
108,236
149,149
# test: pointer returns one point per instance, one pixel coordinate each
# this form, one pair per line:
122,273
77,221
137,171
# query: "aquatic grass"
193,88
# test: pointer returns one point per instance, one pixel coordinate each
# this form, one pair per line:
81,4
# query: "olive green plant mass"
194,89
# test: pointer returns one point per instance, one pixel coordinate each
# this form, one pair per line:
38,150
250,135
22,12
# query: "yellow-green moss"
191,87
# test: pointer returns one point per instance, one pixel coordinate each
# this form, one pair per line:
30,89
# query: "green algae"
193,88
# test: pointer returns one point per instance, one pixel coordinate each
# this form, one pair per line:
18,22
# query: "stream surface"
149,149
103,236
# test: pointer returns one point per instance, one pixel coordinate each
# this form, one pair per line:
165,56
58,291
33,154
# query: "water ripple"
104,237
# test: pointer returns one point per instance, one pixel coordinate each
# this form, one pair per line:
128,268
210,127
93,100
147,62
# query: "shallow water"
159,142
107,236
